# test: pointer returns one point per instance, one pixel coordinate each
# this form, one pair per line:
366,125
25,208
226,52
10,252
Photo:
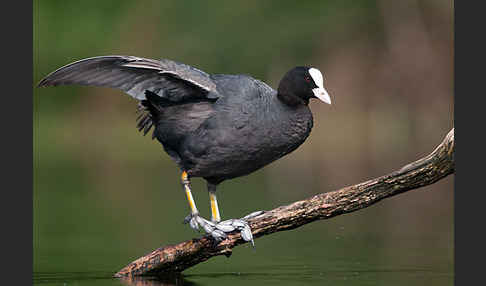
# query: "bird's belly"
241,152
225,164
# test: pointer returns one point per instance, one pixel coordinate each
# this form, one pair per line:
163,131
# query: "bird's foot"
219,231
194,220
231,225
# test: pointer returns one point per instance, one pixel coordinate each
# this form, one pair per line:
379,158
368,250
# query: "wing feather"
134,75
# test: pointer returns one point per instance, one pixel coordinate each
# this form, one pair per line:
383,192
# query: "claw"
247,236
252,215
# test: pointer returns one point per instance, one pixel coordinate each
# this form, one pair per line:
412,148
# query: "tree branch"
176,258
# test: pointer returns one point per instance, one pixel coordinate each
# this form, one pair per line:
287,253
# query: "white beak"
319,91
322,94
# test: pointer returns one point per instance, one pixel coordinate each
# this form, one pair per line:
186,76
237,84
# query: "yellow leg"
187,189
214,207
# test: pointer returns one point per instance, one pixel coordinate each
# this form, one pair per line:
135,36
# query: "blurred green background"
105,195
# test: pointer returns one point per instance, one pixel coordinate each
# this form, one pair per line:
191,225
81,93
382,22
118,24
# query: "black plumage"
213,126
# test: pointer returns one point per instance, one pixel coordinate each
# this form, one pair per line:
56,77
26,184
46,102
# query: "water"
99,205
271,276
360,248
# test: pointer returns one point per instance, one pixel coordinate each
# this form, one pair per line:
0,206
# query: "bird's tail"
148,109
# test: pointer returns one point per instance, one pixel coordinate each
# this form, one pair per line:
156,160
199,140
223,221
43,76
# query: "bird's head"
300,84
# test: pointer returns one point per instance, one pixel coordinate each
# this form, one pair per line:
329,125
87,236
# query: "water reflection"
311,276
172,280
67,278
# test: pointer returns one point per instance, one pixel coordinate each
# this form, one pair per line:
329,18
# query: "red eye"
307,79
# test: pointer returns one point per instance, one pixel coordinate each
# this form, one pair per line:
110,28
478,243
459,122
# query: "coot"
214,126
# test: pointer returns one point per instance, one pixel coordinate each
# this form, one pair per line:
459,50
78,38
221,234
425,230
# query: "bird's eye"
307,79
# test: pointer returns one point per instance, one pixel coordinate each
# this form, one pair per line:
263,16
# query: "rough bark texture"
176,258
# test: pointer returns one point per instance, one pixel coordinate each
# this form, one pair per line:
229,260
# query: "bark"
173,259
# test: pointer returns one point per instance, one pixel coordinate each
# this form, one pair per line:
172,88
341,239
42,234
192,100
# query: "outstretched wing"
172,81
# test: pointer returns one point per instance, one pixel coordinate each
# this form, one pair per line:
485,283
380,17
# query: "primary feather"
134,75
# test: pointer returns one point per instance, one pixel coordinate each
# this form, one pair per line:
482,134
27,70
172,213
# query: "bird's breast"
239,145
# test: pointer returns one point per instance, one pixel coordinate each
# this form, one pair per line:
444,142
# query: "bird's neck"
291,99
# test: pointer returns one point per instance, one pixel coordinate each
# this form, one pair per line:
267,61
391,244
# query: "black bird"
214,126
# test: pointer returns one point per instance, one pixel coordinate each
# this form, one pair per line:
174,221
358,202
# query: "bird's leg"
193,218
215,217
220,230
186,185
